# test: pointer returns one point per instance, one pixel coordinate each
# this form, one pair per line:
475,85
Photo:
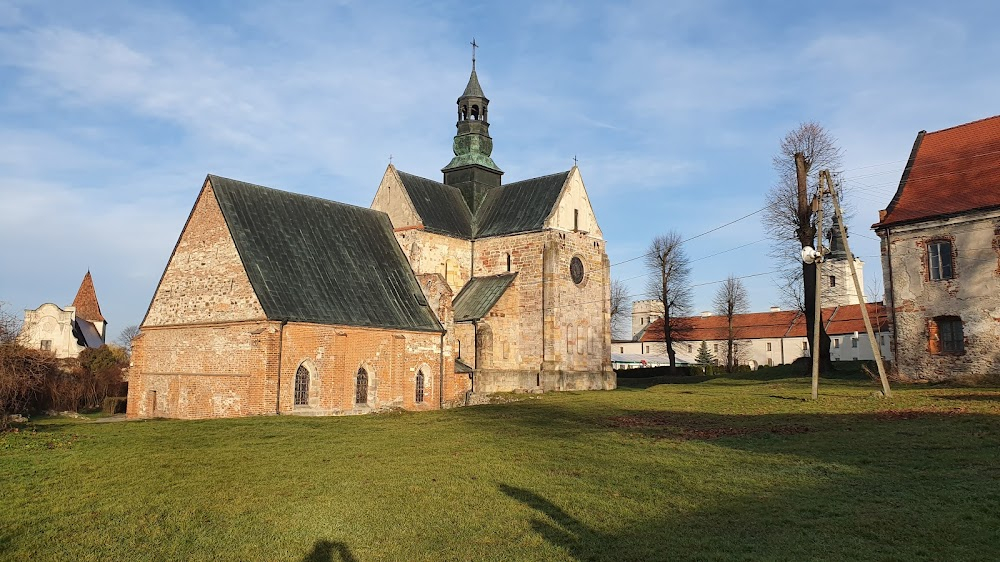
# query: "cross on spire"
474,46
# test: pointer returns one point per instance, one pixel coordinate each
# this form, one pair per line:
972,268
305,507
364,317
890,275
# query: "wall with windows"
942,280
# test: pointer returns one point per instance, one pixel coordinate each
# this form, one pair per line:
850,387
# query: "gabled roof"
949,172
847,319
314,260
85,301
479,295
441,207
520,206
509,209
754,325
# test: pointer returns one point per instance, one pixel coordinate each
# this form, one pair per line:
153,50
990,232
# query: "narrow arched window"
475,113
508,262
361,388
418,397
302,386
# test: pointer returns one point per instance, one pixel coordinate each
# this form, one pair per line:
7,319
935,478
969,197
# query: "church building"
442,292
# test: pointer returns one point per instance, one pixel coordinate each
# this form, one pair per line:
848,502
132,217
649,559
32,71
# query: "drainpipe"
441,385
281,342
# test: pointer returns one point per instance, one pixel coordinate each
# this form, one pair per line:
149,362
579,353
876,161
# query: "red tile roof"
758,325
949,171
85,302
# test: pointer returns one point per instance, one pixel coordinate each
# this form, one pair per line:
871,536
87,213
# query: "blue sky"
112,113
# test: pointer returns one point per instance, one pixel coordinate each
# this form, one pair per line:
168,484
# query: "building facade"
67,331
941,255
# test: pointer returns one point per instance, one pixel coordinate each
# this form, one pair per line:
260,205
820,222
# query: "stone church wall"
428,252
204,280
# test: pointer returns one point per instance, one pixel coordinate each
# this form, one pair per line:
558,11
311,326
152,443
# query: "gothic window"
508,262
361,387
939,262
302,386
946,335
576,219
419,393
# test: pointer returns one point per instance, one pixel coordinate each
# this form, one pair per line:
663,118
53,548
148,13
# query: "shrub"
114,405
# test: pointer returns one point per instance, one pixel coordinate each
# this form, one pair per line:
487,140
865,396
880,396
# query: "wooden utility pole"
817,318
857,286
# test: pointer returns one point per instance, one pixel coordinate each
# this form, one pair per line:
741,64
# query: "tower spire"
472,170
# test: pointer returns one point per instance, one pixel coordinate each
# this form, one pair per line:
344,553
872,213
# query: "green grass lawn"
660,469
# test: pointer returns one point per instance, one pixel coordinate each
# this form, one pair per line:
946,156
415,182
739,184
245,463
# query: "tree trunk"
668,340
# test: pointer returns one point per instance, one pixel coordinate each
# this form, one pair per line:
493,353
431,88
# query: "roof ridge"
294,194
538,177
964,124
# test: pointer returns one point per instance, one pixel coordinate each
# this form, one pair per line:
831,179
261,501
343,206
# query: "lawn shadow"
329,551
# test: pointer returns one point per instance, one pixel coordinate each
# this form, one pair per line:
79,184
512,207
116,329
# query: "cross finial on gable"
390,158
474,46
574,160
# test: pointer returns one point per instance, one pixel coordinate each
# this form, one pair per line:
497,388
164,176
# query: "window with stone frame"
419,392
940,264
302,386
361,387
46,345
946,335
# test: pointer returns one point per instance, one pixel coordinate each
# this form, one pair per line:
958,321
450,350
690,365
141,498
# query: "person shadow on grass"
324,551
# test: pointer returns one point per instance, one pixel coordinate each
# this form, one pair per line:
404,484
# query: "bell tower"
472,170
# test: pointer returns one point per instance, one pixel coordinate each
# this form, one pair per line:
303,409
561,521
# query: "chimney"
775,309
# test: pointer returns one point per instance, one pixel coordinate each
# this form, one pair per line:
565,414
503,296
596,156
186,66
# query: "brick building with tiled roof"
770,338
940,238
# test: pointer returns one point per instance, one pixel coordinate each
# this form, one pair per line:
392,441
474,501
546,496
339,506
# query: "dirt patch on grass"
674,427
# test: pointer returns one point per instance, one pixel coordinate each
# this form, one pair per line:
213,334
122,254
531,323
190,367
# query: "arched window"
419,393
302,386
361,388
475,113
508,261
465,112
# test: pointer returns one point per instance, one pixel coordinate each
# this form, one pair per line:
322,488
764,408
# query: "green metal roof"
519,207
314,260
441,207
479,295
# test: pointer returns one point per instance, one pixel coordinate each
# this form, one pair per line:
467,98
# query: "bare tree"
129,333
10,325
669,270
790,217
620,305
731,299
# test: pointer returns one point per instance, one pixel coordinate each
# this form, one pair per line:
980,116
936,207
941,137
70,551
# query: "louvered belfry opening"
361,388
302,386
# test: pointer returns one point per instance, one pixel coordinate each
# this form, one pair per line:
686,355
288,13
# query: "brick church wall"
204,280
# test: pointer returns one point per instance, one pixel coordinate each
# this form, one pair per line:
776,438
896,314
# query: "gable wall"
49,322
574,198
973,295
204,280
392,200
